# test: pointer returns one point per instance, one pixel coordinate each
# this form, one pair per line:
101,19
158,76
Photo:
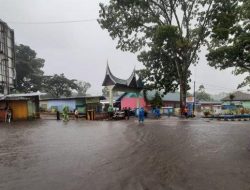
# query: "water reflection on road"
161,154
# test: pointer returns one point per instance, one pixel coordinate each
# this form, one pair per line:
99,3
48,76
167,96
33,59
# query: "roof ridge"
116,79
129,80
238,96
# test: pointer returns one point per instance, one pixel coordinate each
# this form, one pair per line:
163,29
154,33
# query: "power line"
56,22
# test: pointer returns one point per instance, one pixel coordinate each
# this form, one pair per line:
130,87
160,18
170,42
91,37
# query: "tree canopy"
202,95
230,45
82,87
167,35
59,85
28,69
31,78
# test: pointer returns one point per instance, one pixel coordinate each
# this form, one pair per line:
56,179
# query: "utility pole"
194,100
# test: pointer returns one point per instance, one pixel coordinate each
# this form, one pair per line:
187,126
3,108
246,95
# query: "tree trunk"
183,86
183,94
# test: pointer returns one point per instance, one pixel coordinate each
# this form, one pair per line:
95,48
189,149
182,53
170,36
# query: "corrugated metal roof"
72,98
19,96
238,96
26,94
172,96
208,102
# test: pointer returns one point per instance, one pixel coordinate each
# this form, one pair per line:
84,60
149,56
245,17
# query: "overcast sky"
80,50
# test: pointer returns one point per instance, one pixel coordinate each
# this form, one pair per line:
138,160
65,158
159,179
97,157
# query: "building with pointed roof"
129,85
116,84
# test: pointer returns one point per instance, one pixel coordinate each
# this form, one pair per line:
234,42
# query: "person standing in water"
76,114
141,115
9,115
57,115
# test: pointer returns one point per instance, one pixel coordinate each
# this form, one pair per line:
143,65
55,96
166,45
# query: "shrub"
207,112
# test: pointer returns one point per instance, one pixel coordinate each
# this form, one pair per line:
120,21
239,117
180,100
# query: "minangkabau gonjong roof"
129,85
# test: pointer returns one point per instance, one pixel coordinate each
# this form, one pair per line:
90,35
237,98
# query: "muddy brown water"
102,155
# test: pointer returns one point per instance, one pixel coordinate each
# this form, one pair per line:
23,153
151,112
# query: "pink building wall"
132,103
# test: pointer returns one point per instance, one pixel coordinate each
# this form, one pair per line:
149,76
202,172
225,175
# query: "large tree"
167,34
28,69
59,85
202,95
82,87
230,47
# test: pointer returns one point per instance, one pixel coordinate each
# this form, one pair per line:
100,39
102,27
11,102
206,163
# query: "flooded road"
102,155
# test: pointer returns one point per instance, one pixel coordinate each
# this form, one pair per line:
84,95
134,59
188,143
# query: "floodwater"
122,155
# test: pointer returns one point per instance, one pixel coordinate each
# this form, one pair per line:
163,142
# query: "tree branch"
164,9
172,5
154,15
187,15
201,36
191,9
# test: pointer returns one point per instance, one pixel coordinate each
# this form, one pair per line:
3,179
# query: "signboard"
92,100
190,99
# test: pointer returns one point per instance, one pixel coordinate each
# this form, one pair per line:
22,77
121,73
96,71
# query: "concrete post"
138,100
5,90
110,88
